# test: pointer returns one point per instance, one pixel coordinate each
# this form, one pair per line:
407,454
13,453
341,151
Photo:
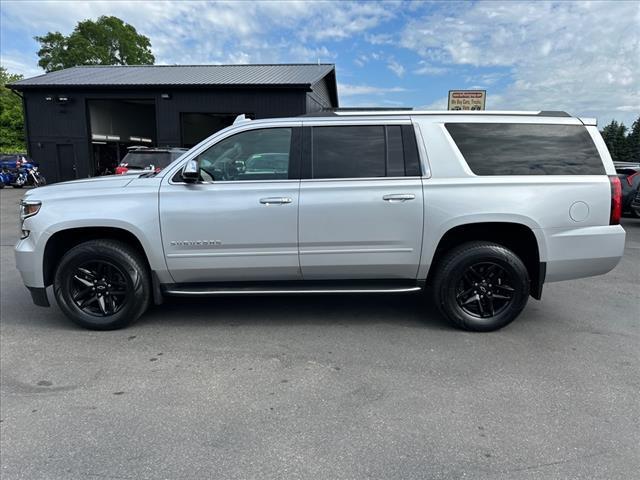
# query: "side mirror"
191,171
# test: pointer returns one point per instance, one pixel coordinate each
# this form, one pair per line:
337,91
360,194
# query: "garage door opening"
116,126
196,127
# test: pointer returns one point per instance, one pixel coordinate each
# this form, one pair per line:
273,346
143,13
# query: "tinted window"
348,152
252,155
526,149
395,153
411,158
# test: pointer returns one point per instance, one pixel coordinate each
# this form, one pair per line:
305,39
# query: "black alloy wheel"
480,286
484,290
103,284
100,288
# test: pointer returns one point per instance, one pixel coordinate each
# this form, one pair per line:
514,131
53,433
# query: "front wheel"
102,284
481,286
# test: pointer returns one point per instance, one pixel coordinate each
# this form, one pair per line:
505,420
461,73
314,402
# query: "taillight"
629,179
121,170
616,200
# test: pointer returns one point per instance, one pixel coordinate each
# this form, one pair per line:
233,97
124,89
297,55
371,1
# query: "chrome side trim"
187,293
357,250
230,254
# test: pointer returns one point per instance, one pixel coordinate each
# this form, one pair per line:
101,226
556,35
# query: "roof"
267,75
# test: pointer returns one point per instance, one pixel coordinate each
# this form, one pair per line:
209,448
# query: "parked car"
153,159
481,208
635,204
629,174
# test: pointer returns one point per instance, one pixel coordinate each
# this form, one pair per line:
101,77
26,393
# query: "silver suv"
481,207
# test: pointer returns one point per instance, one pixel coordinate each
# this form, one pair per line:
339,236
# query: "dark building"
80,121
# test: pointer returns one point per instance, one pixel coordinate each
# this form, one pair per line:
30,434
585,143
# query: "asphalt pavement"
343,387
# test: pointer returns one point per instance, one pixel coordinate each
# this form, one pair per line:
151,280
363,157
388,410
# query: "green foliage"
633,141
11,118
106,41
622,147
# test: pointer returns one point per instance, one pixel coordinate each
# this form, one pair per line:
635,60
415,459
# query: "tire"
107,266
481,286
17,186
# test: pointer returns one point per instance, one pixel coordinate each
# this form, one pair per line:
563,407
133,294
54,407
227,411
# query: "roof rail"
332,112
344,112
323,113
553,113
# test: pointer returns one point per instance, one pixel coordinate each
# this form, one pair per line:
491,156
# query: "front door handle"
275,200
398,197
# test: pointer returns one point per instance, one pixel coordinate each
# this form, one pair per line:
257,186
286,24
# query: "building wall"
54,127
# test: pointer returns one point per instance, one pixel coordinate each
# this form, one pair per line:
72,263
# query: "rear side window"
363,151
526,149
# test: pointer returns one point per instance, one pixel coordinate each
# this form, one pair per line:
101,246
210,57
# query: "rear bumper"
583,252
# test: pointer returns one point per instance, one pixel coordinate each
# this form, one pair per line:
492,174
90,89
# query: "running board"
204,290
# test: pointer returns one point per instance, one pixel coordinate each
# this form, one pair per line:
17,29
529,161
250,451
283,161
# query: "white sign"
467,99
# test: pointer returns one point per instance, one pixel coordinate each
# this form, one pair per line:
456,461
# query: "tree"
106,41
11,116
614,136
633,141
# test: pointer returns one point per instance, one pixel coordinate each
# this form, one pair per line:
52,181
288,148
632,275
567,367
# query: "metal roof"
272,75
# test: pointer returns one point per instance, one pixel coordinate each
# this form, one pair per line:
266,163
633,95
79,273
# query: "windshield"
142,160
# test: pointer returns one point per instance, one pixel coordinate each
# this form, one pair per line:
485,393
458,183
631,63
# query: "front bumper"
29,263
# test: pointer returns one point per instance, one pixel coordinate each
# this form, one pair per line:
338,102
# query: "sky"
581,57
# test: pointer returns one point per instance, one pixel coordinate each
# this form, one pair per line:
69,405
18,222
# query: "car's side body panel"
121,202
555,207
336,229
360,228
225,231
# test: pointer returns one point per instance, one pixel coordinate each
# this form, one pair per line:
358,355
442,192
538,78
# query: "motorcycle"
24,173
5,178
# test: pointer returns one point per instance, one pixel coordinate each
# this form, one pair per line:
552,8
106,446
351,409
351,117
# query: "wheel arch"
517,237
63,240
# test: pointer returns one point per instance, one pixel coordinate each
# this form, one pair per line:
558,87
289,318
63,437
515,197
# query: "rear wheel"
102,285
481,286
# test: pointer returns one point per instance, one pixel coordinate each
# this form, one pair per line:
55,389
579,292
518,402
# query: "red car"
148,159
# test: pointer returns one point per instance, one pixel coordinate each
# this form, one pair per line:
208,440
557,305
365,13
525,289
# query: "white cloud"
348,90
379,38
18,64
426,68
214,32
576,56
397,68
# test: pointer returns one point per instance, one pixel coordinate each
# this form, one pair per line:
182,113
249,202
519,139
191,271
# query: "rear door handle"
275,200
398,197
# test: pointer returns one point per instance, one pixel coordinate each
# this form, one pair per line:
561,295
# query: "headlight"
28,208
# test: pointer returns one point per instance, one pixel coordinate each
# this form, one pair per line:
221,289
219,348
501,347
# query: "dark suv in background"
629,175
144,158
